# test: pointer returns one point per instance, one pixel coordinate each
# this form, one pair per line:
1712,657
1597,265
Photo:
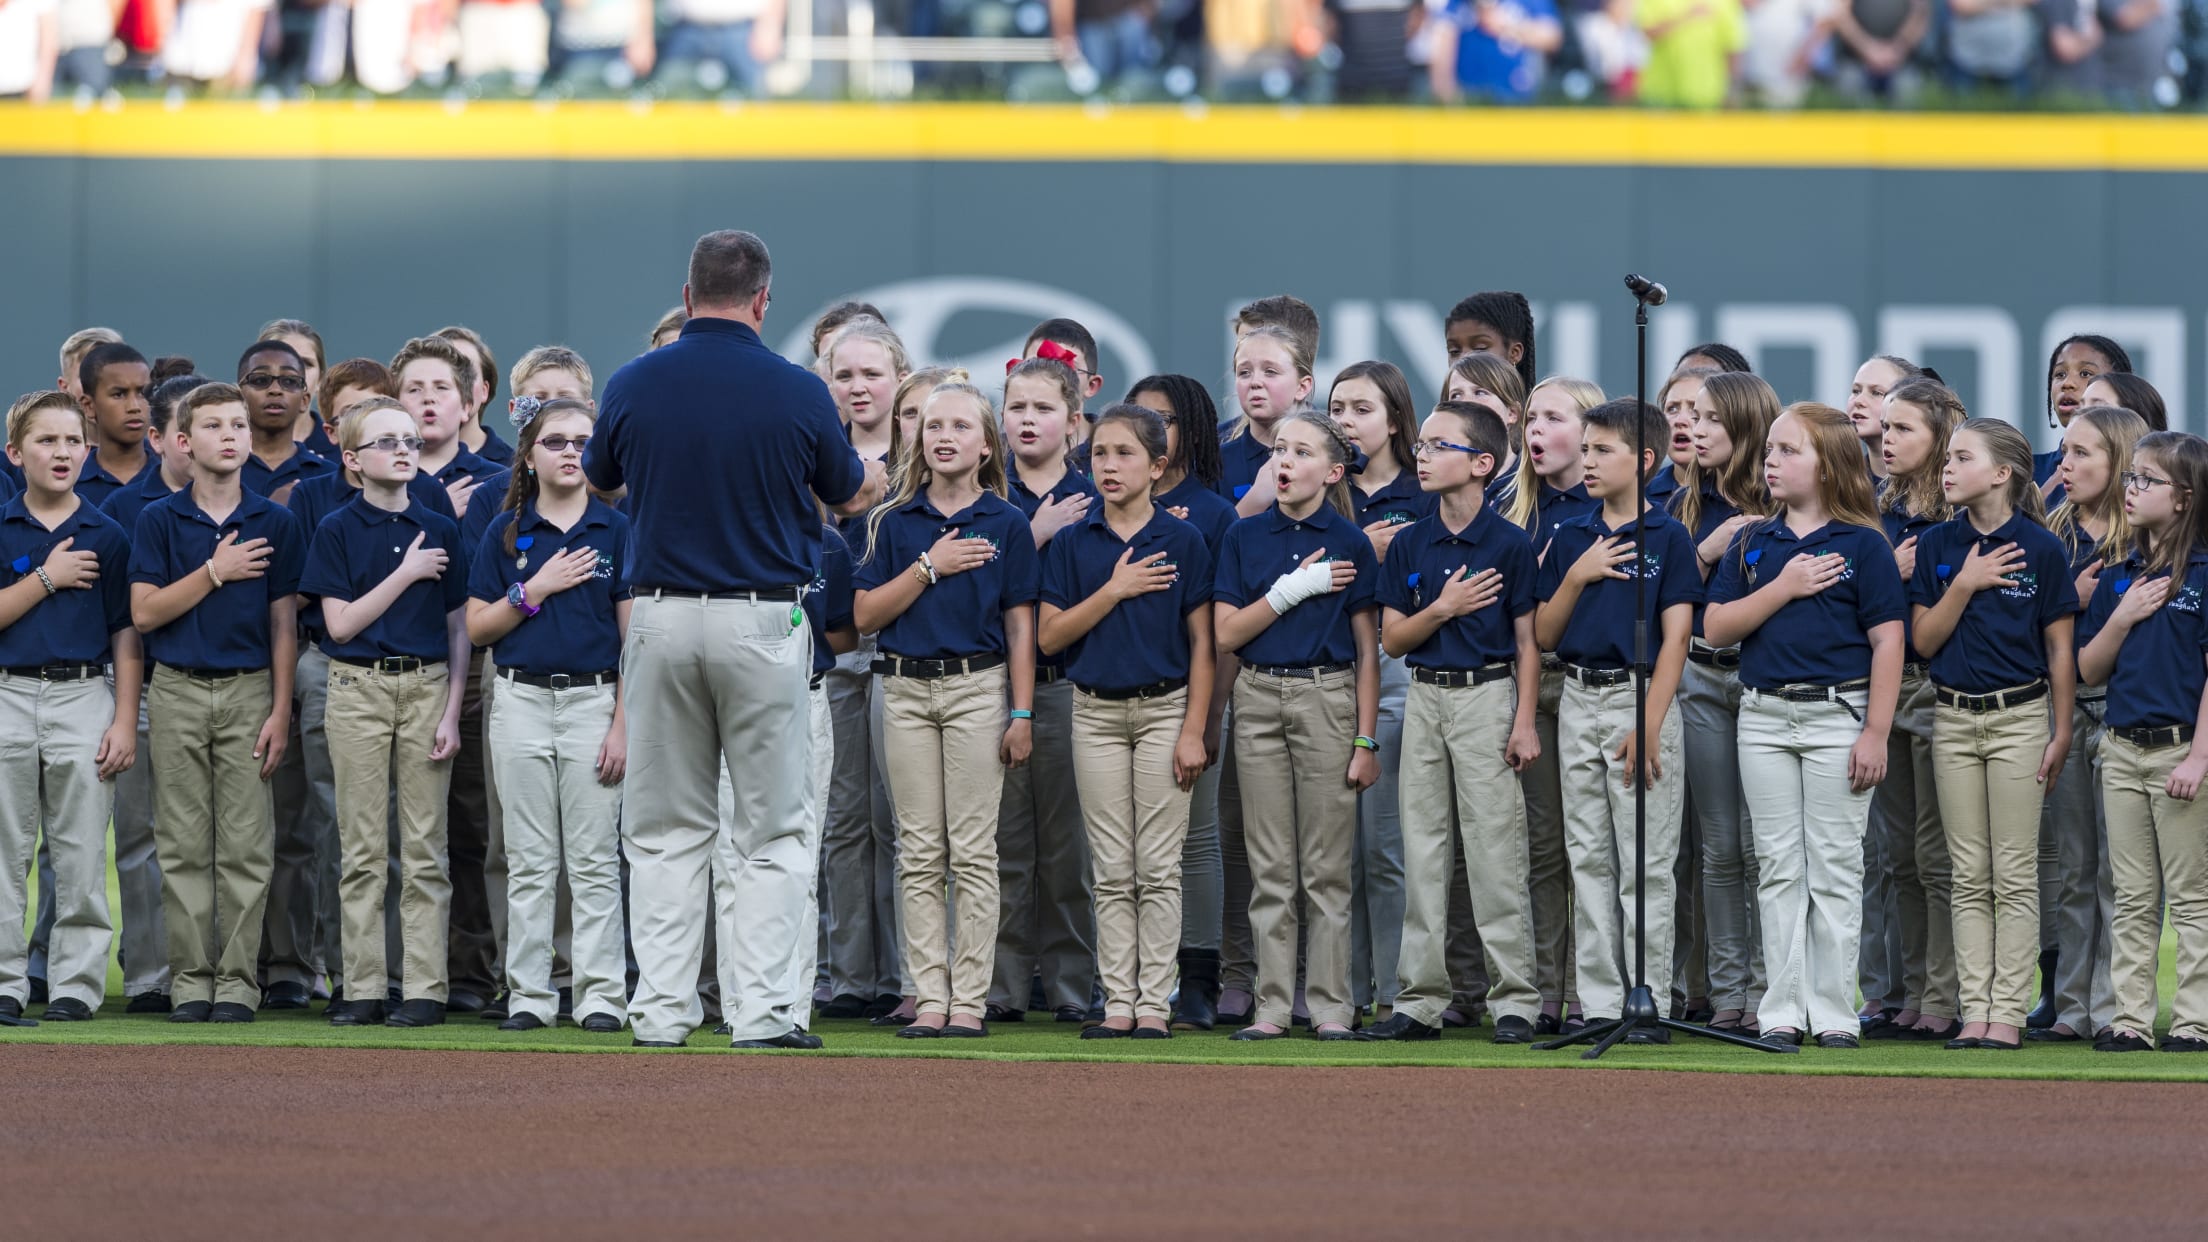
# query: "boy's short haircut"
82,342
360,410
1282,310
1068,333
110,354
489,373
169,366
32,404
437,349
551,358
204,397
296,327
1483,428
353,373
1623,417
840,314
270,345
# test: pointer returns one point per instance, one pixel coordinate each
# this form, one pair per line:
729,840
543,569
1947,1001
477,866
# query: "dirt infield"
201,1142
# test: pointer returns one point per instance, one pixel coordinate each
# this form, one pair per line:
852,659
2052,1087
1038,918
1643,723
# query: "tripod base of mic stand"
1641,1015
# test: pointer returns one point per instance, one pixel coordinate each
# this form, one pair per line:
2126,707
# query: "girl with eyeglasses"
2143,637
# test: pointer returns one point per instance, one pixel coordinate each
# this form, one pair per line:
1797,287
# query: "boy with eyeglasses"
273,378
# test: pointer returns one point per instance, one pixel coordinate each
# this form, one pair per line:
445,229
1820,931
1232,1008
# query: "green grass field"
1049,1041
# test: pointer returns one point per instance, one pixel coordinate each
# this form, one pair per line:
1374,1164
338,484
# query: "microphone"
1647,290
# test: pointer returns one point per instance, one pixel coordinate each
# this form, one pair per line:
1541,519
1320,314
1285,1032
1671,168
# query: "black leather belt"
1917,669
2157,738
388,664
772,595
210,674
1305,672
58,672
1725,658
1155,690
815,683
1046,675
1982,703
932,670
560,681
1600,678
1818,694
1457,678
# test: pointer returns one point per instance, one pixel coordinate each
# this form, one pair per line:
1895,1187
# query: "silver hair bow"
525,411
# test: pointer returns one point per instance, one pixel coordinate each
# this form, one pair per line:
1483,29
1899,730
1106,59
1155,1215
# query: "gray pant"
1046,924
1203,883
1709,708
707,679
858,849
304,788
1376,871
2081,901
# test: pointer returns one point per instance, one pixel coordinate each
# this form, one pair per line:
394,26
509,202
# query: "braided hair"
1341,449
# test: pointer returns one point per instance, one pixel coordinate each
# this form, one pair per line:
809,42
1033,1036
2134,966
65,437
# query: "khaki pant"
805,950
1454,781
1599,837
213,827
1292,740
559,817
1709,713
381,727
946,781
1809,827
49,737
2076,893
1548,870
1047,925
1917,855
707,679
1989,793
2156,845
1137,820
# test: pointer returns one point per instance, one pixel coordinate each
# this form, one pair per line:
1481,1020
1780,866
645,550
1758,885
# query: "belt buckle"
560,681
48,672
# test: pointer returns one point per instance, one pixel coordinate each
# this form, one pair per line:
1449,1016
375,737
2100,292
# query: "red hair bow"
1053,351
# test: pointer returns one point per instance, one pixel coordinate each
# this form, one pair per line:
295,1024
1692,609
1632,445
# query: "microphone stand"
1640,1011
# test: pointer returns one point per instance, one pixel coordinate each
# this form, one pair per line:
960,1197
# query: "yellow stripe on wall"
614,130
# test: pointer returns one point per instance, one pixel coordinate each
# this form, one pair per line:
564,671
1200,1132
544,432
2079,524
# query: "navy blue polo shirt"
319,443
465,464
1662,485
963,614
71,626
1210,513
574,631
2001,639
2045,464
263,480
1552,508
1716,510
1502,489
125,505
1599,633
10,488
1141,641
359,546
494,450
227,631
95,484
1241,458
1419,563
1402,500
1901,526
1073,483
828,600
1823,640
484,506
725,444
2163,664
316,498
1259,549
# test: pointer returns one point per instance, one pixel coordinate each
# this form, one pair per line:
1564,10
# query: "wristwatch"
518,596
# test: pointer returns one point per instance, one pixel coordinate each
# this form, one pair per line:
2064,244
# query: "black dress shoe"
284,996
1959,1043
652,1043
192,1011
1791,1039
1159,1032
230,1011
67,1009
1924,1035
1838,1039
1545,1024
1573,1024
881,1007
2112,1040
1402,1026
2170,1043
522,1022
2000,1045
11,1013
418,1013
1103,1032
606,1024
1648,1035
843,1006
1253,1034
1342,1036
919,1030
998,1013
1511,1030
149,1002
2052,1036
892,1018
465,1002
1069,1013
793,1038
966,1032
500,1008
354,1013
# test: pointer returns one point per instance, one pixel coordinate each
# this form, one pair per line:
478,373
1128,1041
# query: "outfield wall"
1972,242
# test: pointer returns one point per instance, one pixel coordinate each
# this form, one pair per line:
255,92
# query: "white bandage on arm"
1298,585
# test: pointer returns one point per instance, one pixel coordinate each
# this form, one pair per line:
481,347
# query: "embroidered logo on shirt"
2023,584
2187,599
